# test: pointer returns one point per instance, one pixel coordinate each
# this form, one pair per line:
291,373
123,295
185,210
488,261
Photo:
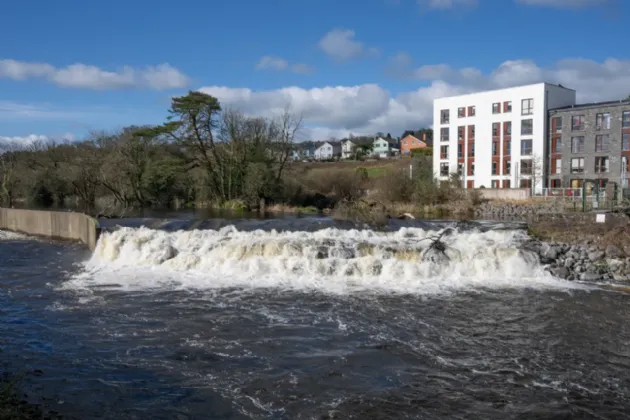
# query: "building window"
471,111
460,150
526,147
527,107
460,133
527,127
506,169
460,168
495,129
444,134
526,167
556,183
507,128
507,148
556,166
496,108
576,183
471,131
472,150
443,152
577,144
625,143
494,183
625,119
601,143
461,112
577,165
601,164
443,169
556,124
602,121
445,116
495,148
507,106
471,169
556,145
494,168
577,123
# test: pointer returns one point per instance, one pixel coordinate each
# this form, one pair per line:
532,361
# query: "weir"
53,224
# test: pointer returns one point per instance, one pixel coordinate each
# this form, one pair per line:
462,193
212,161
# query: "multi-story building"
496,139
589,141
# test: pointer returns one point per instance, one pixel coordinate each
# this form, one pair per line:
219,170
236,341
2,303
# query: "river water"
306,319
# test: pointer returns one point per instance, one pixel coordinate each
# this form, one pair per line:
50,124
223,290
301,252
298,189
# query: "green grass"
376,171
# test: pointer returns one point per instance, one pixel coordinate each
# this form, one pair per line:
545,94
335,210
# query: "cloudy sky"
358,66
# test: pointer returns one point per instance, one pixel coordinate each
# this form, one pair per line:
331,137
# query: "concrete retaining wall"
505,194
53,224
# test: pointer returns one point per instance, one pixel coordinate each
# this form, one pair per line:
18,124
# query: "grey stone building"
588,141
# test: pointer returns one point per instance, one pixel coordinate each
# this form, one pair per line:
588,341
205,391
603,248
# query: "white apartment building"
497,138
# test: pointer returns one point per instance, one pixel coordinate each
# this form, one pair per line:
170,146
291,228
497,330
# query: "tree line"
200,153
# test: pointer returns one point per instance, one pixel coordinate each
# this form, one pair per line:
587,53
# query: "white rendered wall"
543,94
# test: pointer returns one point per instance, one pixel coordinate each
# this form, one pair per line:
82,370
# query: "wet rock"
561,272
569,263
586,276
620,277
548,252
613,251
595,256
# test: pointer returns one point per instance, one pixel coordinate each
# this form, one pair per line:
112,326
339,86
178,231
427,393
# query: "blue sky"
70,66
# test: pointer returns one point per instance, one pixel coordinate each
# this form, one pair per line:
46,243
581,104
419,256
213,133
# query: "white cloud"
22,142
447,4
564,4
268,62
340,44
368,108
83,76
15,110
272,63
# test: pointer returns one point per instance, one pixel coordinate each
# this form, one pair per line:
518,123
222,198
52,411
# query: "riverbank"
575,247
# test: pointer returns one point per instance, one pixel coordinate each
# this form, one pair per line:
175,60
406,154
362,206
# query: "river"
308,319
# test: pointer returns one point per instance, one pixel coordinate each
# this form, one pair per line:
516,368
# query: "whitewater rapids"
329,260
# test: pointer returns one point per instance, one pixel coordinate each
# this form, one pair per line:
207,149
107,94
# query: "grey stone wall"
589,132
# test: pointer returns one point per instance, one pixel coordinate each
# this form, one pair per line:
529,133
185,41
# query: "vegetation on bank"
204,155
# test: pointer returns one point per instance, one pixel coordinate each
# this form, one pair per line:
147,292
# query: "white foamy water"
329,260
6,235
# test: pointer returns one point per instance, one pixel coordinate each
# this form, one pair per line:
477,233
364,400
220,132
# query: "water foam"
6,235
329,260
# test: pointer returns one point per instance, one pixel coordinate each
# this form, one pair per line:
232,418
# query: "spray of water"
329,260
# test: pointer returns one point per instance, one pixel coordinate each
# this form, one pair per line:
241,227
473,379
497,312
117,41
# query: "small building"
384,148
328,150
589,141
353,147
411,142
304,150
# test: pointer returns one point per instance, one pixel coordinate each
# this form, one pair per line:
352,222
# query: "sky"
69,67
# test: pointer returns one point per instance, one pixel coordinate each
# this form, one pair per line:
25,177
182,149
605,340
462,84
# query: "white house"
349,146
328,150
384,148
510,126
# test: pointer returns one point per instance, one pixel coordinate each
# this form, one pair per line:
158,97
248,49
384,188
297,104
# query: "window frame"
531,131
529,110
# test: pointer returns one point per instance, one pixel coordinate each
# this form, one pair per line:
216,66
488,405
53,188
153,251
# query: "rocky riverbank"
504,209
583,262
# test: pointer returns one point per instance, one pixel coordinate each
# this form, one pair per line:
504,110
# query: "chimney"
424,137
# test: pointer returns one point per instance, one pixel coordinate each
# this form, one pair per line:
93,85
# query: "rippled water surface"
139,332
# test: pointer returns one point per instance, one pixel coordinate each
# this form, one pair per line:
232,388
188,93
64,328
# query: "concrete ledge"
52,224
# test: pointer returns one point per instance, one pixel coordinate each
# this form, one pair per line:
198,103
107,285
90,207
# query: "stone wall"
52,224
